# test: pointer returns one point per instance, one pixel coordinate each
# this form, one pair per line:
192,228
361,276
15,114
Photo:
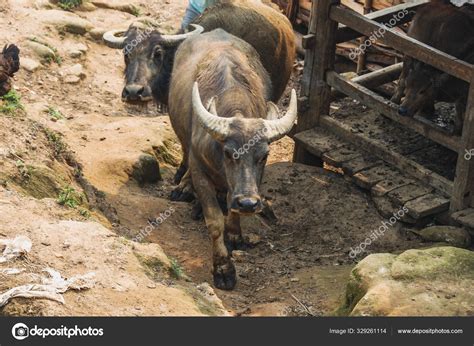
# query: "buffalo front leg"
233,233
223,268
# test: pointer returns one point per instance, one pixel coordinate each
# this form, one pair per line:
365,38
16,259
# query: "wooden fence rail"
331,23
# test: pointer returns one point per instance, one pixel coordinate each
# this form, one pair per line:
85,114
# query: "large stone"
66,21
29,65
454,236
42,51
73,74
146,170
432,282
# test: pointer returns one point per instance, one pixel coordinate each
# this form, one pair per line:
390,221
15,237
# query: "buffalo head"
244,145
9,64
149,59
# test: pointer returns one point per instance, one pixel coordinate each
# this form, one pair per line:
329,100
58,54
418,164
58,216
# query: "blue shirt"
201,5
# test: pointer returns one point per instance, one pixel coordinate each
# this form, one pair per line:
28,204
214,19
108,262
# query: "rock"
72,79
73,74
29,65
146,170
42,51
431,282
66,21
43,4
454,236
97,34
77,50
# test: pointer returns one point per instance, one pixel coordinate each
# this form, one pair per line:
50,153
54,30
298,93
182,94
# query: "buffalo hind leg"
223,268
184,192
183,167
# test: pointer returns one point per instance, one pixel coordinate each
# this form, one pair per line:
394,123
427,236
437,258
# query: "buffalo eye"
158,55
230,154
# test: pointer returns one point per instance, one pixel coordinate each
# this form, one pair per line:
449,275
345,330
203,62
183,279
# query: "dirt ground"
300,261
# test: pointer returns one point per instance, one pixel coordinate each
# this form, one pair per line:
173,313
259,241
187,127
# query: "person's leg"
189,17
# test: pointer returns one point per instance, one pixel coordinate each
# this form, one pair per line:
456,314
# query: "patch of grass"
54,113
56,141
136,11
10,103
69,197
175,270
57,58
24,169
69,4
85,213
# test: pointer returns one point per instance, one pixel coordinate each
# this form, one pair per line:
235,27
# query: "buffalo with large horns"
220,109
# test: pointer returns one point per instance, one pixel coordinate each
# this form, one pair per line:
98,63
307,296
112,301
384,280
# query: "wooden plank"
464,217
405,165
464,180
344,33
338,156
359,164
389,109
427,205
317,141
318,61
366,179
409,46
387,185
409,192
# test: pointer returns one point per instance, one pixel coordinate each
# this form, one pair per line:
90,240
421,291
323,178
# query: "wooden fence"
332,23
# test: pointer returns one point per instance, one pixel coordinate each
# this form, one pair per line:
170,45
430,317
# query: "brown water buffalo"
451,30
220,109
9,65
149,55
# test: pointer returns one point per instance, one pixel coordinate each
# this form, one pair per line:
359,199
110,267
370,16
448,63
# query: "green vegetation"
54,113
69,4
69,197
175,270
57,59
136,11
24,169
10,103
56,142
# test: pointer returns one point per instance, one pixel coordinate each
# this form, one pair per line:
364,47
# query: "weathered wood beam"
464,180
389,109
409,46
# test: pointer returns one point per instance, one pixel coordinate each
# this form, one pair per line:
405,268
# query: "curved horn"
276,129
174,40
216,126
112,40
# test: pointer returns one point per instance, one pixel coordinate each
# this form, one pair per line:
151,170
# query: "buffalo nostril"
133,92
248,204
402,111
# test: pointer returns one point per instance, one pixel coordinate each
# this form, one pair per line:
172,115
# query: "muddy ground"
300,261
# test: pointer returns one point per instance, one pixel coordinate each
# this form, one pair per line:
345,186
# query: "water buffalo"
220,109
451,30
149,55
9,65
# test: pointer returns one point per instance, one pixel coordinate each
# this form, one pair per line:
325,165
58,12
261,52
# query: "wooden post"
319,59
464,180
361,61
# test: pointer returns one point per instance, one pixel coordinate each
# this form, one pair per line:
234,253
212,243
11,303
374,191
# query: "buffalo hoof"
224,275
182,195
233,242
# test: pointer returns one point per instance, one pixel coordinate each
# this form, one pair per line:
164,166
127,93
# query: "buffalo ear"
273,113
